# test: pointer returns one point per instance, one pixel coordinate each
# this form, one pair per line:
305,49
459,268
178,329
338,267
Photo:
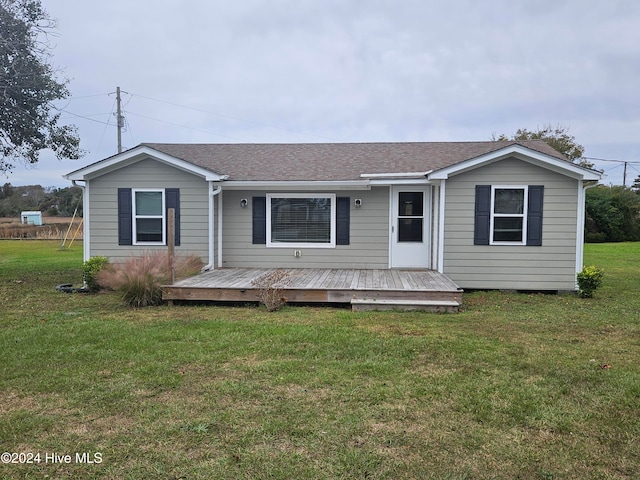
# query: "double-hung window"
148,217
508,215
303,220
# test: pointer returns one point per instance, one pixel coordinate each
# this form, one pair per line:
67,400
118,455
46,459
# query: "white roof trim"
396,175
561,166
297,185
401,181
141,151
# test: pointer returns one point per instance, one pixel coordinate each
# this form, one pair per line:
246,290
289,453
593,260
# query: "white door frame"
409,254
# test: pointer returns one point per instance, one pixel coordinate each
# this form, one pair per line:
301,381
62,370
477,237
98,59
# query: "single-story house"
489,215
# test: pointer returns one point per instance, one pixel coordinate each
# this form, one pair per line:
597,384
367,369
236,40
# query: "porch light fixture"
358,202
243,203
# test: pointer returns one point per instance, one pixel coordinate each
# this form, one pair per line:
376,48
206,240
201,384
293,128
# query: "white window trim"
135,216
332,242
524,214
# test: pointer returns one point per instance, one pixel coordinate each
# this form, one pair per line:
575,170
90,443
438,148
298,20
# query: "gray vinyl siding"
103,207
369,236
547,267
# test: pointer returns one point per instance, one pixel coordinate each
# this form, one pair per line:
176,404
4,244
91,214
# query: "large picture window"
301,220
508,215
148,217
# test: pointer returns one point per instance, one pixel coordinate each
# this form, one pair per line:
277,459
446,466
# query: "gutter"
212,193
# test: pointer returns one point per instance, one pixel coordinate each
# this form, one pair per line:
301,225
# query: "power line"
236,118
611,160
86,117
183,126
623,163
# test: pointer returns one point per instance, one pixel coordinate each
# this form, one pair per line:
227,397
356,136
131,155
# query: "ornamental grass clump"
589,279
139,280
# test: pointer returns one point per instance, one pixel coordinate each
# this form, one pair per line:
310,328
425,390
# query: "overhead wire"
87,117
234,118
183,126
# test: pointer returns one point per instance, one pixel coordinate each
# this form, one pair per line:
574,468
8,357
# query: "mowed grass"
511,387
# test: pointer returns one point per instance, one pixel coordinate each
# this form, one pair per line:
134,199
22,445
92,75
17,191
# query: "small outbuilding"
31,218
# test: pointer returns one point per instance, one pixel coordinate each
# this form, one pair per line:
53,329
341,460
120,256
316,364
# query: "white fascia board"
402,181
139,153
545,161
297,185
395,175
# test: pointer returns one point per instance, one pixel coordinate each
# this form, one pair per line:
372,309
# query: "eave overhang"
522,153
297,185
137,154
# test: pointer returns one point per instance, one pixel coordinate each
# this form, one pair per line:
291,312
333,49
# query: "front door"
410,227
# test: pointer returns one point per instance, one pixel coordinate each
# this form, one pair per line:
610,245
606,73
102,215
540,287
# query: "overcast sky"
294,71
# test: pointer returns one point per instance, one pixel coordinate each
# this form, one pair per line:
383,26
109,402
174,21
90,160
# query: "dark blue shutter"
125,227
172,200
259,213
343,219
534,215
482,215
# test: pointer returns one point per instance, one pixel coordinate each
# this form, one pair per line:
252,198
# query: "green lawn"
511,387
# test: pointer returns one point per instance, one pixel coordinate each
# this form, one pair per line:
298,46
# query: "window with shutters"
508,215
301,220
148,217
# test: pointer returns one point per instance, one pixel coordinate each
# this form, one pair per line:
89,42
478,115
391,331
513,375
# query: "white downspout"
212,193
582,193
435,222
220,230
441,227
86,244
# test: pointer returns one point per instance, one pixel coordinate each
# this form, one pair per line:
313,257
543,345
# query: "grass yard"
511,387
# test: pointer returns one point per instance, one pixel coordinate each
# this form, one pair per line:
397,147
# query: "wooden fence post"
171,242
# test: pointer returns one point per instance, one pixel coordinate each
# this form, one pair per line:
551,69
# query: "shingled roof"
333,161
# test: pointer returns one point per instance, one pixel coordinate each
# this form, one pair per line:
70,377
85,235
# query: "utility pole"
624,175
119,119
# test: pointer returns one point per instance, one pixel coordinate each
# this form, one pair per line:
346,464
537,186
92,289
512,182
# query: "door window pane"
410,216
410,229
410,204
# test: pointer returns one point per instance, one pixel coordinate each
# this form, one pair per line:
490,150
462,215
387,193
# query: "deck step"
368,304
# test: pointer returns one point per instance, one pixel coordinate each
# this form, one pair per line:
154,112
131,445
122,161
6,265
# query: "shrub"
589,279
139,280
270,289
90,269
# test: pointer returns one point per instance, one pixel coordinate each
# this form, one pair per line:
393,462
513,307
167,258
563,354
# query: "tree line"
613,213
51,201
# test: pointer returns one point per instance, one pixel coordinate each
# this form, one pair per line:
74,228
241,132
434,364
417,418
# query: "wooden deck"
363,289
